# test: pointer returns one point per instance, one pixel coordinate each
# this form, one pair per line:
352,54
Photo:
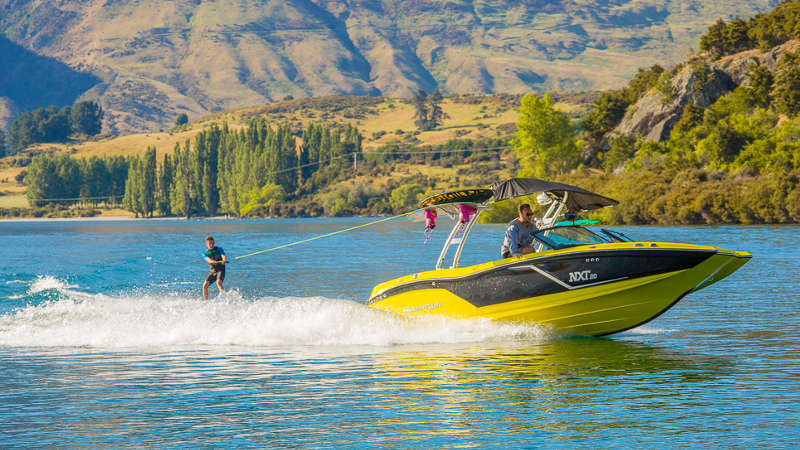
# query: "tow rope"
346,229
327,234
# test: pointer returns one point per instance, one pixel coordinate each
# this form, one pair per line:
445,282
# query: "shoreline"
103,219
215,218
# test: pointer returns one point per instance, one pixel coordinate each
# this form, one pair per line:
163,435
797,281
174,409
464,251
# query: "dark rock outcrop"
654,115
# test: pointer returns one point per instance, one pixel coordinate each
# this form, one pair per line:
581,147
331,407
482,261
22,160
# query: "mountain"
156,59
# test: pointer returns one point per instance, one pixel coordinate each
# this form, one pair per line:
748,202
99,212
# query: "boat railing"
550,217
458,235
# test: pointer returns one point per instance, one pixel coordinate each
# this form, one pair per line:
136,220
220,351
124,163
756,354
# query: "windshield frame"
543,236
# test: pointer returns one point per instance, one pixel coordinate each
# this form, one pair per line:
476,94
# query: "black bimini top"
462,196
577,200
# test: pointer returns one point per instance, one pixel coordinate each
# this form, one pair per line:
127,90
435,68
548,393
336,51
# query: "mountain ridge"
157,59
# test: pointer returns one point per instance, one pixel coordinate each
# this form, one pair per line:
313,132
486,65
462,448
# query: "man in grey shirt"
519,235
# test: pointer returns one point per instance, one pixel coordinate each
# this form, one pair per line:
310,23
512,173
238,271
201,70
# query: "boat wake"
67,317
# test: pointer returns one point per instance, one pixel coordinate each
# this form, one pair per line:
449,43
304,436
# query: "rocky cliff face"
156,58
654,115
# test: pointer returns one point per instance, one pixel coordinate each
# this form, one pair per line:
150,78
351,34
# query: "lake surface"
105,341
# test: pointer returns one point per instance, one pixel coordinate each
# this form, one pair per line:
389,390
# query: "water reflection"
536,387
416,394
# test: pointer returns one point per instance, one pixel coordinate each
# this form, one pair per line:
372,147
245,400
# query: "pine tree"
55,125
182,119
23,132
420,102
437,115
713,40
786,88
87,118
761,82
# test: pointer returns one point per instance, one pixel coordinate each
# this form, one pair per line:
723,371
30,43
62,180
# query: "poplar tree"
96,179
286,150
134,187
163,184
69,176
182,196
40,179
118,173
304,171
148,181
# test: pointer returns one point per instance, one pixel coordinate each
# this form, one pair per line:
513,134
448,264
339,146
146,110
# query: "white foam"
644,329
46,283
155,321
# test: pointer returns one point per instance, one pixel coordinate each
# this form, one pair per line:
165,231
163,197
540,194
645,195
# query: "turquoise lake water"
105,341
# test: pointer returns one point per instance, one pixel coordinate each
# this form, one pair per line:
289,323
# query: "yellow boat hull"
593,309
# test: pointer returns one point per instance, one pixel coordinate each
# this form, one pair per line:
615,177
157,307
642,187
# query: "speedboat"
577,280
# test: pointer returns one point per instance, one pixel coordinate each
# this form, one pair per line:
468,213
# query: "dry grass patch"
8,183
14,201
133,144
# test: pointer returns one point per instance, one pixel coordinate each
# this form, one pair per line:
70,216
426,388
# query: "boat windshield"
570,236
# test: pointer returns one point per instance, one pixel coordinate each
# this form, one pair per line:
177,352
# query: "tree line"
64,180
52,124
220,171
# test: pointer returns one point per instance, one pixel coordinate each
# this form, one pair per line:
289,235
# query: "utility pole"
355,162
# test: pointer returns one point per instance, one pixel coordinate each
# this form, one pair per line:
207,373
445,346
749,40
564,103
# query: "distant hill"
29,81
156,59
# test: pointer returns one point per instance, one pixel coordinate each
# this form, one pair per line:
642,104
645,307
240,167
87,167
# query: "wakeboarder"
216,259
